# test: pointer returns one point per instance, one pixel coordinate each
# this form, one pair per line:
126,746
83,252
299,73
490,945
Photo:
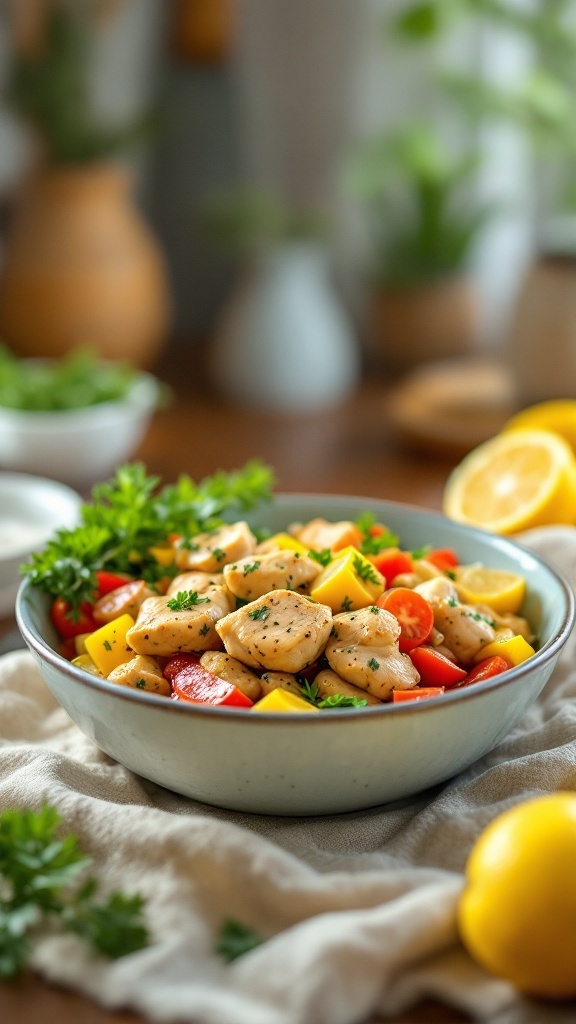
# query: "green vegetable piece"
235,939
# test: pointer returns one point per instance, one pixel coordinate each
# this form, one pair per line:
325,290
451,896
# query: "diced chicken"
422,571
465,629
249,578
125,600
233,671
363,650
210,552
512,625
281,631
279,680
159,630
198,581
319,534
141,673
330,683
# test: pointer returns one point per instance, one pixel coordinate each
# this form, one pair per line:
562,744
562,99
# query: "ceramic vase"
284,342
82,269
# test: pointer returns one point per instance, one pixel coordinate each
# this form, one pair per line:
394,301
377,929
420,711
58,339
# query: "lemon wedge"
516,480
557,414
501,590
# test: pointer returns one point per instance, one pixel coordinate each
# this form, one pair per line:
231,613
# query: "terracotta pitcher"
82,269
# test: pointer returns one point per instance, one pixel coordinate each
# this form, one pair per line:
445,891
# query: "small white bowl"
78,446
31,509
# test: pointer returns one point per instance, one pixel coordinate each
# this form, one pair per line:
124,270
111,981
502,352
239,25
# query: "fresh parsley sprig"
129,515
372,542
38,872
186,599
235,939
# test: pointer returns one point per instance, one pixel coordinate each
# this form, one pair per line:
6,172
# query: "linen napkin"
358,910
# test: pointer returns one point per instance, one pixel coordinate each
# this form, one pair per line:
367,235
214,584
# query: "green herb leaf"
260,613
235,939
186,599
323,557
38,872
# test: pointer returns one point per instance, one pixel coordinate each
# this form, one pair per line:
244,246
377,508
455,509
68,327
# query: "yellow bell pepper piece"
515,648
80,643
107,646
284,541
283,700
163,555
348,582
85,661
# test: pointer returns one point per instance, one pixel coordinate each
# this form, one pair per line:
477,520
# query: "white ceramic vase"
285,343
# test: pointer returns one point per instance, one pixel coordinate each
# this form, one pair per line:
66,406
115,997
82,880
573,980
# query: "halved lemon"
516,480
557,414
501,590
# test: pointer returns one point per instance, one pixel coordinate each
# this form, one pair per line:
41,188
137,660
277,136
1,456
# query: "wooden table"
346,450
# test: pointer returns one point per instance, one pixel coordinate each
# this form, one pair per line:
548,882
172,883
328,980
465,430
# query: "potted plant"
423,219
538,102
81,265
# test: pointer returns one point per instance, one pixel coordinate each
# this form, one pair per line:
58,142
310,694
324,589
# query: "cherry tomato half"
418,693
435,669
390,562
414,614
487,668
69,624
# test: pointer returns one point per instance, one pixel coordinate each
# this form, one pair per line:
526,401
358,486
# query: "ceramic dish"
31,508
78,446
324,763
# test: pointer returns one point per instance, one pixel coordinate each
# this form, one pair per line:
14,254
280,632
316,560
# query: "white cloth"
358,909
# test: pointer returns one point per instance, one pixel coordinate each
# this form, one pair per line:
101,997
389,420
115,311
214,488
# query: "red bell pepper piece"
69,624
418,693
435,669
390,562
191,682
487,668
109,581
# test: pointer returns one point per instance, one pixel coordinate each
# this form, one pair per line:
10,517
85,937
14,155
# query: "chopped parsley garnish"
364,570
235,939
219,554
38,875
323,557
107,645
419,553
373,664
374,537
450,574
186,599
453,602
140,684
251,567
260,613
311,693
347,603
129,515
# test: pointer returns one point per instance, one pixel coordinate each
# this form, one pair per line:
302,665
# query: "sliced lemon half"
516,480
502,590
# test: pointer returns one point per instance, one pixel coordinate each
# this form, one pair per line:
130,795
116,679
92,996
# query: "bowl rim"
36,642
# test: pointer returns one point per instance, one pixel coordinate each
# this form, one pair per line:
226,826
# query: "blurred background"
285,196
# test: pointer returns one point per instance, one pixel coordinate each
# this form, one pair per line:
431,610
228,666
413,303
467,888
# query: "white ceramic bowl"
31,508
324,763
78,446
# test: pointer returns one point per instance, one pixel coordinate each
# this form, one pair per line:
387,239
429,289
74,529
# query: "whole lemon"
517,914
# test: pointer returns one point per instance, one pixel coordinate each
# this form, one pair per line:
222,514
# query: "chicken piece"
507,623
363,650
281,631
465,629
249,578
162,631
422,570
198,581
330,683
319,534
141,673
209,552
279,680
233,671
125,600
